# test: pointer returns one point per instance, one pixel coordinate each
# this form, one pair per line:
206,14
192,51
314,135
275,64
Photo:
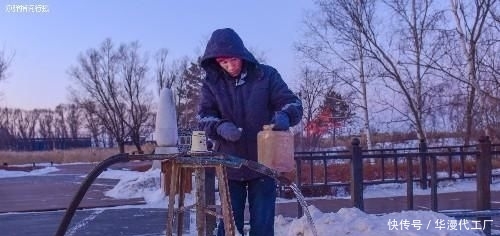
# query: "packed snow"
347,221
12,174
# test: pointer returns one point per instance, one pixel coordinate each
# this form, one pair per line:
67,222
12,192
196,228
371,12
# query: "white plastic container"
198,142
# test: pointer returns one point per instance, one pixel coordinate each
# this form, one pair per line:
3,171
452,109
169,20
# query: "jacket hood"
225,43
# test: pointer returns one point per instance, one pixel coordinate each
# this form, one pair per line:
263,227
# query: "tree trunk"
469,116
121,147
139,148
366,123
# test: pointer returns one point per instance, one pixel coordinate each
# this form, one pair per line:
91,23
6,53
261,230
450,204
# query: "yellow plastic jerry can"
275,149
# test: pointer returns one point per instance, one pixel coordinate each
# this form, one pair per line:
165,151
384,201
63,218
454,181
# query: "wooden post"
422,148
483,177
356,175
201,204
166,175
209,182
180,199
225,200
174,171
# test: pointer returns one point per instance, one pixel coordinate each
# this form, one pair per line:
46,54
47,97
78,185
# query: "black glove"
281,121
229,131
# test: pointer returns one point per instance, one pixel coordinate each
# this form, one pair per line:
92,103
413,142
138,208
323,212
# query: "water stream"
203,158
235,162
303,204
282,179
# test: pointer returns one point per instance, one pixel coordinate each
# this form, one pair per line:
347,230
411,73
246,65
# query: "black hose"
257,167
196,159
70,212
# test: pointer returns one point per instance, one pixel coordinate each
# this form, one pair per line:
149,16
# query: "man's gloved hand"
281,121
229,131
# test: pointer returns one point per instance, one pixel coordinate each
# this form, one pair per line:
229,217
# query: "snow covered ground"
347,221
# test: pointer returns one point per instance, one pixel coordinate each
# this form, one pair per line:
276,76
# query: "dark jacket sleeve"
208,113
283,99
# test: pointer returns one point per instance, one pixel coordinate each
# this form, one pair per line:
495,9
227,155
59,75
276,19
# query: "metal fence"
426,166
45,144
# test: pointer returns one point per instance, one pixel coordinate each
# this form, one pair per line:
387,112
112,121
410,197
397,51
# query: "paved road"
55,190
88,222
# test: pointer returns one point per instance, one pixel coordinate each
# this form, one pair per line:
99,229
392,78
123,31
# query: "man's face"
231,65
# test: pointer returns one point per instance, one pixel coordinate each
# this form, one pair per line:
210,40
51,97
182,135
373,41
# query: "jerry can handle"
268,127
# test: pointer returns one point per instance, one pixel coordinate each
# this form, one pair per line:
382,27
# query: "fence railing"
44,144
426,166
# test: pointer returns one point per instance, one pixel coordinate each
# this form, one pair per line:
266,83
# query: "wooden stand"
185,181
177,172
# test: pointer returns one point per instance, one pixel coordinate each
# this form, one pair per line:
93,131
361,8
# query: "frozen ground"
346,221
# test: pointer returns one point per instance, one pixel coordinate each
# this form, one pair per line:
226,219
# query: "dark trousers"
261,194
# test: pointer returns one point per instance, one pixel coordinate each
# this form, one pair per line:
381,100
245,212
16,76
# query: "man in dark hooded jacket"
239,97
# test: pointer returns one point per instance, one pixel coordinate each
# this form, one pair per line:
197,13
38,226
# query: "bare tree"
334,43
179,85
312,89
60,128
101,88
46,123
4,64
113,86
136,94
92,122
420,43
400,53
169,75
7,127
26,123
190,89
67,121
162,80
16,118
7,120
183,77
74,119
469,51
470,19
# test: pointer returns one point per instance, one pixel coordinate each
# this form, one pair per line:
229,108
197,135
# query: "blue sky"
47,44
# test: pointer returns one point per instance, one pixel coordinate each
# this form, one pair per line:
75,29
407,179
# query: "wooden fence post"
483,177
356,175
422,148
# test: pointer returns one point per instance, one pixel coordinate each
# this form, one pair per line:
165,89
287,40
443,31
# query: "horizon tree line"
387,65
